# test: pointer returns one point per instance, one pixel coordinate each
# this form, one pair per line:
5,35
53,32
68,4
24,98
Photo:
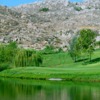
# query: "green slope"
59,66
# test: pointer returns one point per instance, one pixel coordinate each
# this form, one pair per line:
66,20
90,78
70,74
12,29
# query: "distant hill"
52,22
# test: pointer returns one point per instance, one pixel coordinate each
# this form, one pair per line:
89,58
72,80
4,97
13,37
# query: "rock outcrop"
31,26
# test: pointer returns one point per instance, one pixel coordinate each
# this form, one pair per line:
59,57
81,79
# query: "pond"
21,89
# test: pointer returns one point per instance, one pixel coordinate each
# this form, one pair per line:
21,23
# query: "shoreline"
52,74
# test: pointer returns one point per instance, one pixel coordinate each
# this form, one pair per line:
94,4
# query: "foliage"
44,9
4,66
27,58
60,66
87,40
37,58
77,8
83,44
11,55
98,44
7,52
49,49
74,49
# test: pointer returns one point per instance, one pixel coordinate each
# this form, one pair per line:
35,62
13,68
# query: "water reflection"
11,89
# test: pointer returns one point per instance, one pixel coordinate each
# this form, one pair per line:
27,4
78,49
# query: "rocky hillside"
51,22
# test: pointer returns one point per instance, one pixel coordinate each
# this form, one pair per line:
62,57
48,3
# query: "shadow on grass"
96,60
80,60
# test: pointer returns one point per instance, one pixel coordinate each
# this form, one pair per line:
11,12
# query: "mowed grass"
57,60
64,60
59,65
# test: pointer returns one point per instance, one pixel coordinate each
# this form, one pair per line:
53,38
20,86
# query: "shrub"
11,55
7,52
44,9
20,58
37,59
78,8
49,49
27,58
4,66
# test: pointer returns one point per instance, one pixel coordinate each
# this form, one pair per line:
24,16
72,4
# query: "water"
17,89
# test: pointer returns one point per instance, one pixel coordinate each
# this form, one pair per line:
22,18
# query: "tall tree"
83,43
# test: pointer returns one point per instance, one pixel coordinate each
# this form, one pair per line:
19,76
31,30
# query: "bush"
4,66
49,49
7,52
44,9
27,58
11,55
78,8
37,59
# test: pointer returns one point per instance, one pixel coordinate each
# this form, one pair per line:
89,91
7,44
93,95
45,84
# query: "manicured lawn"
64,60
59,66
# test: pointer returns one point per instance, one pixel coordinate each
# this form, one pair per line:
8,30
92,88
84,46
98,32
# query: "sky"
19,2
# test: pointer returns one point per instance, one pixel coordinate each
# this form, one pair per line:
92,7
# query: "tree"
88,38
27,58
83,43
74,48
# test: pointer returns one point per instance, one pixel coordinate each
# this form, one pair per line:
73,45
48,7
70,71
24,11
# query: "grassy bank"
88,73
59,65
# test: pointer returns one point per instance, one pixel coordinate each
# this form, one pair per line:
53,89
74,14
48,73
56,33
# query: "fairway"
59,65
64,60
